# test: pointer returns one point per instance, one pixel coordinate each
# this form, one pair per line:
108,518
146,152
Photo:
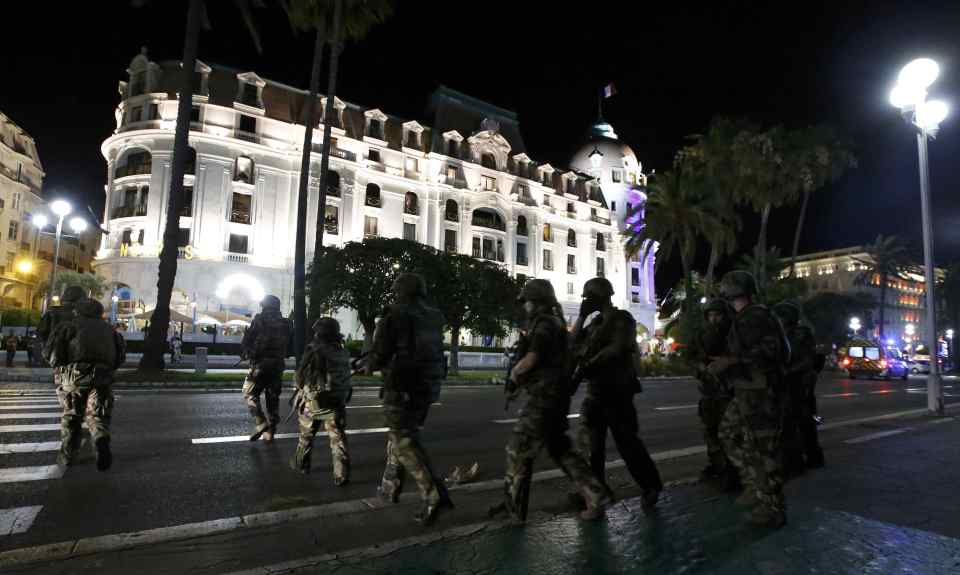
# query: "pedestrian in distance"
408,349
543,372
10,344
84,353
266,344
323,390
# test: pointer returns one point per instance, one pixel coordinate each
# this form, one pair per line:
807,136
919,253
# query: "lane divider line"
246,438
877,435
17,519
516,419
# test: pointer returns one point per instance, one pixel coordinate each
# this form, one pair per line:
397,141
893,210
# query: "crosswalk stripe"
14,407
8,448
28,400
246,438
675,407
29,427
379,405
516,419
44,415
34,473
17,519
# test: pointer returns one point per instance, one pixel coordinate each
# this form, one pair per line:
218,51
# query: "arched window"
373,195
133,163
243,170
571,238
486,218
547,233
333,183
452,211
191,162
410,205
487,160
521,225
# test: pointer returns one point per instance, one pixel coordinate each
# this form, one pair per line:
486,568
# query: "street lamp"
855,325
113,307
61,209
910,95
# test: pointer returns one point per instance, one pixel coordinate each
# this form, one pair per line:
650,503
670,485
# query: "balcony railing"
375,165
452,216
335,152
548,266
128,212
237,258
571,269
333,191
248,136
455,181
373,201
521,261
413,210
133,170
181,252
599,220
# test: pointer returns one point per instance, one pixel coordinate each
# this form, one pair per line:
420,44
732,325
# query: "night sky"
675,66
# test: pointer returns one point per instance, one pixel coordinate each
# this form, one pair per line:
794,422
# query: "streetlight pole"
56,260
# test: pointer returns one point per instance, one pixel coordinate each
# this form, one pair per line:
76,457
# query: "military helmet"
73,293
738,283
270,302
714,304
89,308
410,285
599,288
537,290
326,326
787,312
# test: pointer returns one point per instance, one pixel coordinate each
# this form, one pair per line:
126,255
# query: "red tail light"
846,361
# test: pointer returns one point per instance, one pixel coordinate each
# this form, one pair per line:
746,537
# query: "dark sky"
675,64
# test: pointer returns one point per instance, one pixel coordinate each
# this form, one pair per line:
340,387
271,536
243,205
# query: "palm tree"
333,22
770,264
152,359
887,257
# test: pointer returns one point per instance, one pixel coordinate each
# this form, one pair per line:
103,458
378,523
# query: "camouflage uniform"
55,316
715,392
84,353
606,348
800,429
750,429
265,344
408,348
543,419
324,388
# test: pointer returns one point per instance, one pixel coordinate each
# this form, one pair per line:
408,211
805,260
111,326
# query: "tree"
828,313
333,21
949,293
156,341
92,284
887,257
765,268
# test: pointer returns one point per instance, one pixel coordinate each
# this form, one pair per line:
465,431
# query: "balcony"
133,170
333,191
335,152
236,258
455,181
411,174
571,269
375,165
248,137
599,220
373,201
548,266
128,212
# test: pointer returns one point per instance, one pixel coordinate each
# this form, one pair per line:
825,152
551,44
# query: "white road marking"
882,391
845,394
8,448
17,519
43,415
877,435
674,407
516,419
29,401
246,438
34,473
29,427
379,405
941,420
14,407
892,415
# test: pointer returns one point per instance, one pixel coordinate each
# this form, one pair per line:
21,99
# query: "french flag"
609,90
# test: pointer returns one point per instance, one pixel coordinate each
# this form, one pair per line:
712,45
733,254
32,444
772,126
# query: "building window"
451,173
240,209
375,129
331,219
486,218
373,195
450,241
412,165
571,264
601,268
571,238
183,237
488,161
135,113
521,254
134,164
571,210
248,128
523,192
369,227
13,231
452,211
635,276
489,184
547,259
501,257
475,247
153,113
243,170
186,210
635,297
547,233
570,290
521,225
571,186
125,236
238,244
410,204
616,176
413,140
249,95
195,114
613,206
409,231
373,156
601,243
453,149
15,200
333,183
140,237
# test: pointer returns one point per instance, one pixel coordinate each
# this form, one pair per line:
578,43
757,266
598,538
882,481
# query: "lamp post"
855,325
910,95
61,209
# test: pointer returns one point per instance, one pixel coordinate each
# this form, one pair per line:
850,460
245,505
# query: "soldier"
84,353
265,345
408,348
756,353
715,393
323,390
58,314
604,350
800,428
543,373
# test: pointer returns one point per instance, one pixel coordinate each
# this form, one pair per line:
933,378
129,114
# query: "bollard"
200,360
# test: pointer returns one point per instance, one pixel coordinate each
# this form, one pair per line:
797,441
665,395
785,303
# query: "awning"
175,316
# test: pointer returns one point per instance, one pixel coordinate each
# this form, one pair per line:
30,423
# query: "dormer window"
411,134
488,160
453,148
413,140
250,90
376,121
249,95
375,129
616,176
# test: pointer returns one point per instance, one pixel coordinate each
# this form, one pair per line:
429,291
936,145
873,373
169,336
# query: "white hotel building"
462,182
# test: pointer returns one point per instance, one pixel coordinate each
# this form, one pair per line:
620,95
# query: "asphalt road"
162,477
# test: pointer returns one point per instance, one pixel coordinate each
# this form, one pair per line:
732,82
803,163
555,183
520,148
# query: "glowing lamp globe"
60,208
930,114
39,220
920,73
78,224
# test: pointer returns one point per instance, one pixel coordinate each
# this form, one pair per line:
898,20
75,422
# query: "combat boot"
300,462
428,514
261,429
387,496
596,504
68,453
767,517
104,456
648,501
268,435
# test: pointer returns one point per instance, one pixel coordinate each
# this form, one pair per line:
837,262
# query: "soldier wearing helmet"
543,373
55,316
715,391
265,344
800,380
605,350
323,390
408,349
750,430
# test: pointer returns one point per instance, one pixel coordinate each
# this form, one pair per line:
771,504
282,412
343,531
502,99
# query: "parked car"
864,358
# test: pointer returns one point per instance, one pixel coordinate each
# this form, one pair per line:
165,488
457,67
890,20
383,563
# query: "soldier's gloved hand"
720,365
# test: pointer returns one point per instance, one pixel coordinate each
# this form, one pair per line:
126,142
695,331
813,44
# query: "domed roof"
603,140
